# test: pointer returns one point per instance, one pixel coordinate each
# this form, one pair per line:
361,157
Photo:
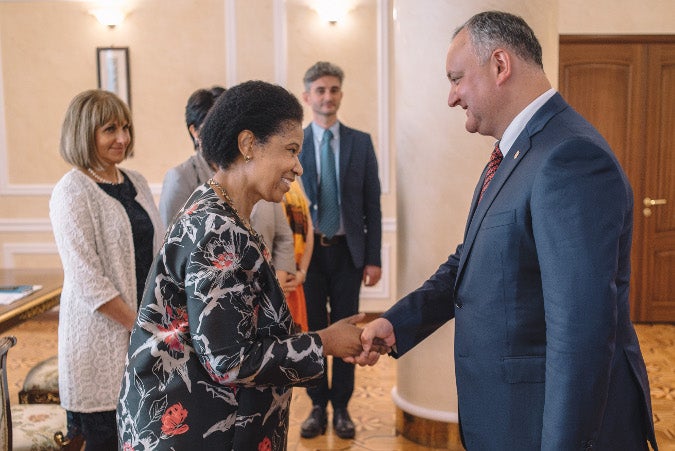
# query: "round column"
438,164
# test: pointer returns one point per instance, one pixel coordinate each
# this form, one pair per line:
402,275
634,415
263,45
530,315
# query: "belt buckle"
325,242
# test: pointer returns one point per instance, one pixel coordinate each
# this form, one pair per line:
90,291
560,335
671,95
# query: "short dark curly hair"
260,107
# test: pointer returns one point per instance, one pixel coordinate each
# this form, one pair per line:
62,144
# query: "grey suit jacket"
269,220
179,183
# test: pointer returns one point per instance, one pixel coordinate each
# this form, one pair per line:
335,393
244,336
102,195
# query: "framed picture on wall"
112,64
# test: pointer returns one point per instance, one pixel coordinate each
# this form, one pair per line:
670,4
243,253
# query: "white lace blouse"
95,242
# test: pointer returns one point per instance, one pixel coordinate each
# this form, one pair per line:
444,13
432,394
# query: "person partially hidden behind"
296,208
212,357
546,357
180,181
267,218
342,183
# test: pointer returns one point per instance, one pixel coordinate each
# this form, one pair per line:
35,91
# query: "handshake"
344,339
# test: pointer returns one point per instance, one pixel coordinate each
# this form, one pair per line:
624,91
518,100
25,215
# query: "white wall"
616,17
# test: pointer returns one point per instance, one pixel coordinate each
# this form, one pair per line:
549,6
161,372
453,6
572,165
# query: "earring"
247,158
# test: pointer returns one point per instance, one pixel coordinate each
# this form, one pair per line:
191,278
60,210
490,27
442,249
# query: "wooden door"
625,86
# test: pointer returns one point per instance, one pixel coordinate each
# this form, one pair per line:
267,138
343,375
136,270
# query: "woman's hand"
300,276
289,284
117,310
343,338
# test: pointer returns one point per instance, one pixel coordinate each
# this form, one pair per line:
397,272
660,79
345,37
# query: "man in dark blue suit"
342,183
546,357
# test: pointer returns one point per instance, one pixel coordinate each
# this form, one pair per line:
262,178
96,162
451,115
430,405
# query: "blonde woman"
107,230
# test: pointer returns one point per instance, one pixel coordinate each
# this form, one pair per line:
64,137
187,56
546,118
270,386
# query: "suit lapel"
474,202
346,147
518,151
309,176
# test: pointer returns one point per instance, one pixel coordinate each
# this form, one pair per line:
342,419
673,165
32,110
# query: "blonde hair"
87,112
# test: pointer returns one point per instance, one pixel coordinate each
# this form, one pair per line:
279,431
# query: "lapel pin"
516,155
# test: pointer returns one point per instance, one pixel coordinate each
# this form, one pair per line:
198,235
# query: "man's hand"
371,275
377,338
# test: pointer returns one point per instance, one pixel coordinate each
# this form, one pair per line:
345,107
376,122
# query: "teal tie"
329,208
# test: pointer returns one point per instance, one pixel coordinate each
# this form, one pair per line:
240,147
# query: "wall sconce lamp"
109,15
332,11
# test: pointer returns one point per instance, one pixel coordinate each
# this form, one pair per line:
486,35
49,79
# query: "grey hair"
491,29
322,69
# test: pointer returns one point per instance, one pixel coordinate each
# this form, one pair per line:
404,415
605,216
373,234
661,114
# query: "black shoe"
343,425
315,424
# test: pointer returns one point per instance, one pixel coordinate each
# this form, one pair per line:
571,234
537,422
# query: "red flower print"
172,420
265,445
191,210
177,327
215,376
223,261
178,317
128,447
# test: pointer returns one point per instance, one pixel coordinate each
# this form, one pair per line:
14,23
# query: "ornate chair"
41,385
29,426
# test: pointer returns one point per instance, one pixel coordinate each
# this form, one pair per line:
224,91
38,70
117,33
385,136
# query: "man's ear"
501,61
305,96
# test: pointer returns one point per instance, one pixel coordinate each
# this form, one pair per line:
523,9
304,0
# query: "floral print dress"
211,360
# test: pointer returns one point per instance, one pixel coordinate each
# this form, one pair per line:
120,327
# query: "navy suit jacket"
359,192
546,356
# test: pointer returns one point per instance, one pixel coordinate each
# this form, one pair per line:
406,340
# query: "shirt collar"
518,124
318,130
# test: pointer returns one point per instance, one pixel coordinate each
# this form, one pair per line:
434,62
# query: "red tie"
495,158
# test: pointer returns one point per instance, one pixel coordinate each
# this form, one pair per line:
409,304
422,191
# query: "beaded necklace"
102,180
215,185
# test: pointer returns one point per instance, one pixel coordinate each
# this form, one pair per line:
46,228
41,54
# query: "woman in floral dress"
212,358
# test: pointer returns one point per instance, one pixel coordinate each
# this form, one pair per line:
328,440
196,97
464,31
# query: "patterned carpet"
371,406
658,347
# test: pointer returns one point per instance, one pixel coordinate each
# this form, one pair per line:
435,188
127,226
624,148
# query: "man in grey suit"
342,183
546,356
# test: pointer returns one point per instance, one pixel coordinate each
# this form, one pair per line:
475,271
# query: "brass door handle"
649,202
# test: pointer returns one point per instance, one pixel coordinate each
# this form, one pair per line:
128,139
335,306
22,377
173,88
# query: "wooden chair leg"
69,444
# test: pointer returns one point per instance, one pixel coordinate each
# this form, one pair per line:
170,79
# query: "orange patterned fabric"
296,208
